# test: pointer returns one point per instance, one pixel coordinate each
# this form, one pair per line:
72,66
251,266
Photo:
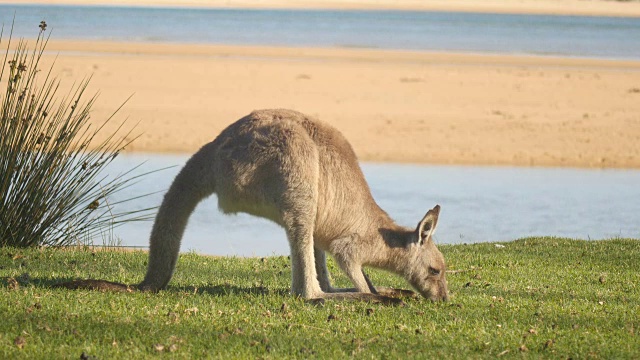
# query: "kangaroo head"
425,269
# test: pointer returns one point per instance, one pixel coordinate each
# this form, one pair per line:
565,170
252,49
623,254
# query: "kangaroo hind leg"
299,202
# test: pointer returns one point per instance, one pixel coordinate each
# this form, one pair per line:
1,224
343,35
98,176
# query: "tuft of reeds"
53,187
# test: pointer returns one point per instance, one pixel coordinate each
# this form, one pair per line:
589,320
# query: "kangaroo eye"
433,271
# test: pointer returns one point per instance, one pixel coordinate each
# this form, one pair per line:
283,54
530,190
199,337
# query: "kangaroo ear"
427,225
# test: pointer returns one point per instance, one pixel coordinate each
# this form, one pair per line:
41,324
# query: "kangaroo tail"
194,183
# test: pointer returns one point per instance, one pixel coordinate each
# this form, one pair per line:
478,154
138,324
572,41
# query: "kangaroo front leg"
323,275
387,291
369,283
364,291
346,253
372,288
384,291
358,278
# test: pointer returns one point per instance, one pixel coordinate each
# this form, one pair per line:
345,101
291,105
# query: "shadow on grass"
228,289
104,285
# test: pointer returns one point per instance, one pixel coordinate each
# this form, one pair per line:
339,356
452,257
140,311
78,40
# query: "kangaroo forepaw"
372,298
393,292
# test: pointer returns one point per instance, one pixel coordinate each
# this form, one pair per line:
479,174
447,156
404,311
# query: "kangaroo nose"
444,291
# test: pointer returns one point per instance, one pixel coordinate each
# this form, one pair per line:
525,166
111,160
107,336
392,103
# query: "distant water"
479,204
575,36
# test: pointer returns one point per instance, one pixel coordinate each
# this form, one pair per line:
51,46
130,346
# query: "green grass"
532,298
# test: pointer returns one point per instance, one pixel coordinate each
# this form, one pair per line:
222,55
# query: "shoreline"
548,7
80,47
393,106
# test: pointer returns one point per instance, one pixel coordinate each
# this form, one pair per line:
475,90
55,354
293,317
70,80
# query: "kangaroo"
302,174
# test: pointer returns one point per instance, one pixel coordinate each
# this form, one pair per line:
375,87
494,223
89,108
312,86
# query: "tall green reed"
53,187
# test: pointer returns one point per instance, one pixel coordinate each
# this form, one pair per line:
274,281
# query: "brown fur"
303,175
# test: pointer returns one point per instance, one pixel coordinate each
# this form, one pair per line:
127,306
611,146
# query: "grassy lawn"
532,298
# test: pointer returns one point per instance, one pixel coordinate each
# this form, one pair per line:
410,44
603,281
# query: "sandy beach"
398,106
565,7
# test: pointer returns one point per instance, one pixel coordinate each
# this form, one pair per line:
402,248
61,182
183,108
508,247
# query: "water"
576,36
479,204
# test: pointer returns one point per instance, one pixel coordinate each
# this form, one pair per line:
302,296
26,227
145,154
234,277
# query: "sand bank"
565,7
396,106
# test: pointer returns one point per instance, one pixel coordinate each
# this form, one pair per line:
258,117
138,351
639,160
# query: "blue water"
577,36
479,204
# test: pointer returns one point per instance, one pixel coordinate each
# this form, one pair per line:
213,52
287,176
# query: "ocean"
543,35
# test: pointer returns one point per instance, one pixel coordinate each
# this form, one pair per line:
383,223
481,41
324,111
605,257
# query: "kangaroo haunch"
302,174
